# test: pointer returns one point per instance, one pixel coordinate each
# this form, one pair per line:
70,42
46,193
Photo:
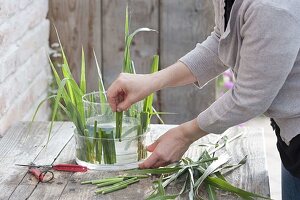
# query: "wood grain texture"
29,185
79,25
20,146
145,45
57,186
183,24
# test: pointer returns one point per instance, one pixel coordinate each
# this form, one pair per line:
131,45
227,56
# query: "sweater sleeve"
270,44
203,61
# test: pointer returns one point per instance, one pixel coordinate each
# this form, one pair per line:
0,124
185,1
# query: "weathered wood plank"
145,45
56,187
183,24
47,156
253,176
20,146
79,25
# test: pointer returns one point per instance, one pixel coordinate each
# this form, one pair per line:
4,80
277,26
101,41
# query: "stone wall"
24,68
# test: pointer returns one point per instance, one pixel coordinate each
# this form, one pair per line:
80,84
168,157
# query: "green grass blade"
192,183
69,88
224,185
126,22
66,98
148,101
222,145
82,76
56,104
102,94
158,116
127,64
39,106
163,170
65,67
119,124
210,169
56,76
211,191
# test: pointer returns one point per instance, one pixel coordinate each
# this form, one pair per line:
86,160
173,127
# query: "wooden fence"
99,24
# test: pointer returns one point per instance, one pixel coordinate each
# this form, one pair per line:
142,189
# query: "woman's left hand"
171,146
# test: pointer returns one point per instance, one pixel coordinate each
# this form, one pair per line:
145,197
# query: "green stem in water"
119,120
86,151
98,143
109,149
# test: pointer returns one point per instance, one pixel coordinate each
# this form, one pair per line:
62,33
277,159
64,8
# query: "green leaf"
65,68
57,99
210,169
159,192
102,94
224,185
39,106
82,78
213,150
192,183
211,192
163,170
119,119
157,115
148,101
126,22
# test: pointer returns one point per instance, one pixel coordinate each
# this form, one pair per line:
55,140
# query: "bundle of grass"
98,140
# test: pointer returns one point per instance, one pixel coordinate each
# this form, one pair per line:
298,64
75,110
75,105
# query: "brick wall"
24,68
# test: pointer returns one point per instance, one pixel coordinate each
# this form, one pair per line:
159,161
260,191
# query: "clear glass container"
99,147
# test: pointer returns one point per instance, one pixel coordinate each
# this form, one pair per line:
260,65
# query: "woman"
260,41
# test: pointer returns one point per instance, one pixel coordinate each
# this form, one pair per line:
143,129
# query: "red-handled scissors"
59,167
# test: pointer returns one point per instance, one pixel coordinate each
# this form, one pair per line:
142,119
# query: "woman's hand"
171,146
128,89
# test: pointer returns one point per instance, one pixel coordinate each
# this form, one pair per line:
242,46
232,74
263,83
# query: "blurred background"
27,38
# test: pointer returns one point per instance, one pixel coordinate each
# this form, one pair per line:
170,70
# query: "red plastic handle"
37,173
69,168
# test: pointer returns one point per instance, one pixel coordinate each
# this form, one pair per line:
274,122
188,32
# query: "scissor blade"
23,165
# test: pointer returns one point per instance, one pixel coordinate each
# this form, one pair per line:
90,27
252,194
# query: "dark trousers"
290,169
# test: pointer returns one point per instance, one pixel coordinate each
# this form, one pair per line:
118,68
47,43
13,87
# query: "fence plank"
79,25
145,45
184,23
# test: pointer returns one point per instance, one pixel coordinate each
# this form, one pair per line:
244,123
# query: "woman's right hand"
128,89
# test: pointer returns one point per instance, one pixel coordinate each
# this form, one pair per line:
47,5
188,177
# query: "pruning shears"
45,175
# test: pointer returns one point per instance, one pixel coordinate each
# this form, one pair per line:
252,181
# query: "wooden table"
21,146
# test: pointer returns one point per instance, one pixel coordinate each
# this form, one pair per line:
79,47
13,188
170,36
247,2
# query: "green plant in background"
99,143
69,92
55,56
128,67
